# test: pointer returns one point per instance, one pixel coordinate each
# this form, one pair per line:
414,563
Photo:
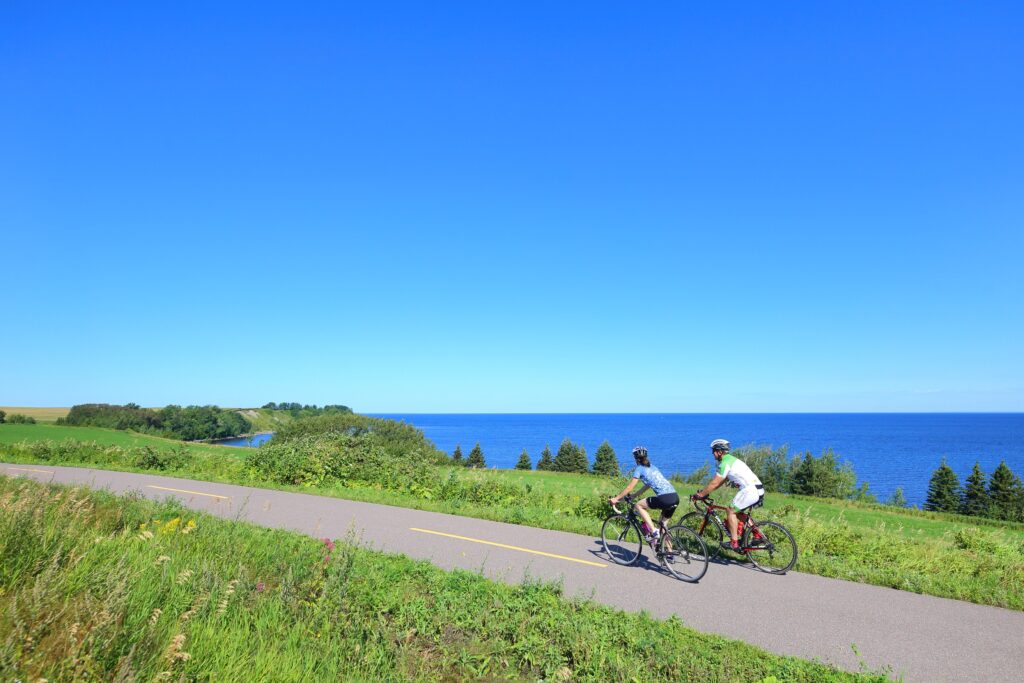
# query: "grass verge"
94,587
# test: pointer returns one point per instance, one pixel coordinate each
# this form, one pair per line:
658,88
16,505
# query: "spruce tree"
1006,494
605,461
943,490
545,462
476,457
571,458
975,500
897,499
524,461
457,455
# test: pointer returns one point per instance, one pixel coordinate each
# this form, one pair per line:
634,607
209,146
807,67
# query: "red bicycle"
768,545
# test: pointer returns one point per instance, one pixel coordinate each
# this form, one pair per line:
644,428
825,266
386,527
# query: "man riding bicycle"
736,471
665,499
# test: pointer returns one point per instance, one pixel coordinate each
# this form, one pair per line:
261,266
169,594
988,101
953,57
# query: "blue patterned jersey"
653,477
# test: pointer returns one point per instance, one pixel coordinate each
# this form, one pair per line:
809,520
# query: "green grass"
15,433
950,556
94,587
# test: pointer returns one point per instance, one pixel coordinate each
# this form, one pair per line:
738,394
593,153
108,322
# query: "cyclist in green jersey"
736,471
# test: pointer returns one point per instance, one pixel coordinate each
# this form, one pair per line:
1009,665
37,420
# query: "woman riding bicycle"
751,489
665,499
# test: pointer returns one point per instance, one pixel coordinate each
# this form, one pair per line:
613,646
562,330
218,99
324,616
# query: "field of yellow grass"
40,414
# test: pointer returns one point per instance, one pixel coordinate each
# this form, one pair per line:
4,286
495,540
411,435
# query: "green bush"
19,419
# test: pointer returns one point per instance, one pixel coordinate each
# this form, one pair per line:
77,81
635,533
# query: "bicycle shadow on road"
647,561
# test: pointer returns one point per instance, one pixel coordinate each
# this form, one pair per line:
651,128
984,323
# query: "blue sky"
513,207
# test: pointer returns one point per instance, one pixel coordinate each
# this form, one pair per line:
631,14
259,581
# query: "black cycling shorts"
667,502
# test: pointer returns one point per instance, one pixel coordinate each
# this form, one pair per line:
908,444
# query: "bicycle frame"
711,510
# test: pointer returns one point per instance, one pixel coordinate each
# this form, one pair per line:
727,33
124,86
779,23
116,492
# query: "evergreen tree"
975,500
457,454
545,462
943,490
571,458
524,461
476,457
897,499
1006,494
605,461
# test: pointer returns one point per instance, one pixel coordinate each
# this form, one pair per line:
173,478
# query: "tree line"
16,419
1001,496
571,457
299,410
189,423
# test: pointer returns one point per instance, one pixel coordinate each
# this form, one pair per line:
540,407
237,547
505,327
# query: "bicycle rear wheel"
775,553
712,533
622,540
684,554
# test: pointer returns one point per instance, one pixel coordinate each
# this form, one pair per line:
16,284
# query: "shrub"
19,419
822,477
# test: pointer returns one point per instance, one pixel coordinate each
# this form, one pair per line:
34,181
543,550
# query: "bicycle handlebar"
628,498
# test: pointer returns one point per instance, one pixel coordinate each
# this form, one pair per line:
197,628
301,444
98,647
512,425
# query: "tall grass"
94,587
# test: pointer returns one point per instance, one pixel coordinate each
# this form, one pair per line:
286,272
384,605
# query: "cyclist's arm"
712,485
626,490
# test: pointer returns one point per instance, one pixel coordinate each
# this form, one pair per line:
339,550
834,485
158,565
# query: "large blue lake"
886,450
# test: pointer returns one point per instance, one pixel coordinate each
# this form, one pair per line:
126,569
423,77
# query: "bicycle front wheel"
711,532
774,552
622,539
684,554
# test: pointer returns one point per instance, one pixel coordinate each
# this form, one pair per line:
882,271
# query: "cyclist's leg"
739,509
641,507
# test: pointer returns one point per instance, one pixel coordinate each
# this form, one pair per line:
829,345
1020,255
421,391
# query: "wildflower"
260,586
169,526
189,527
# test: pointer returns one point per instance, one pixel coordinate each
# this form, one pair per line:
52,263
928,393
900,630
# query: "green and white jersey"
736,471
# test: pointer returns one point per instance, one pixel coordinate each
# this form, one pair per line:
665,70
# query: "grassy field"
94,587
14,433
964,558
40,414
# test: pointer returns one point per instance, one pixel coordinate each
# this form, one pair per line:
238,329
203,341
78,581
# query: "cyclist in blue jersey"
665,497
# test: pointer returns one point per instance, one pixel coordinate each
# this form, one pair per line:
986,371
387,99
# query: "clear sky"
513,207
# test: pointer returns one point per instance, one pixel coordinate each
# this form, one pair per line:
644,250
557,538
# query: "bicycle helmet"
639,452
720,445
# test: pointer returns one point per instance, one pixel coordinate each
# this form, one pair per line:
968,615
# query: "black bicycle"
678,548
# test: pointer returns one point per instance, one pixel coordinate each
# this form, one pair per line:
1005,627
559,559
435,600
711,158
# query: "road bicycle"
678,548
768,545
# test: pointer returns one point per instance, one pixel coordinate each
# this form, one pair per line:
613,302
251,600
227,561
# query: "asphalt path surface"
920,637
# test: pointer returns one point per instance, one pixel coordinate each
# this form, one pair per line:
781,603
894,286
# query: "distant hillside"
40,414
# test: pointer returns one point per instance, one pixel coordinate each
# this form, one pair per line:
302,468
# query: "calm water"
254,440
886,450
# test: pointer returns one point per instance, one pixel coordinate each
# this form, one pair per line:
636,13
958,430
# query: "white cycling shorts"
747,496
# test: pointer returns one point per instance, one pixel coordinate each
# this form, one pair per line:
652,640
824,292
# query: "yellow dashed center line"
29,469
508,547
194,493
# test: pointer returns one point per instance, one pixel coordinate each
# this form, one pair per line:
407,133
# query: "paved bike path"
921,637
